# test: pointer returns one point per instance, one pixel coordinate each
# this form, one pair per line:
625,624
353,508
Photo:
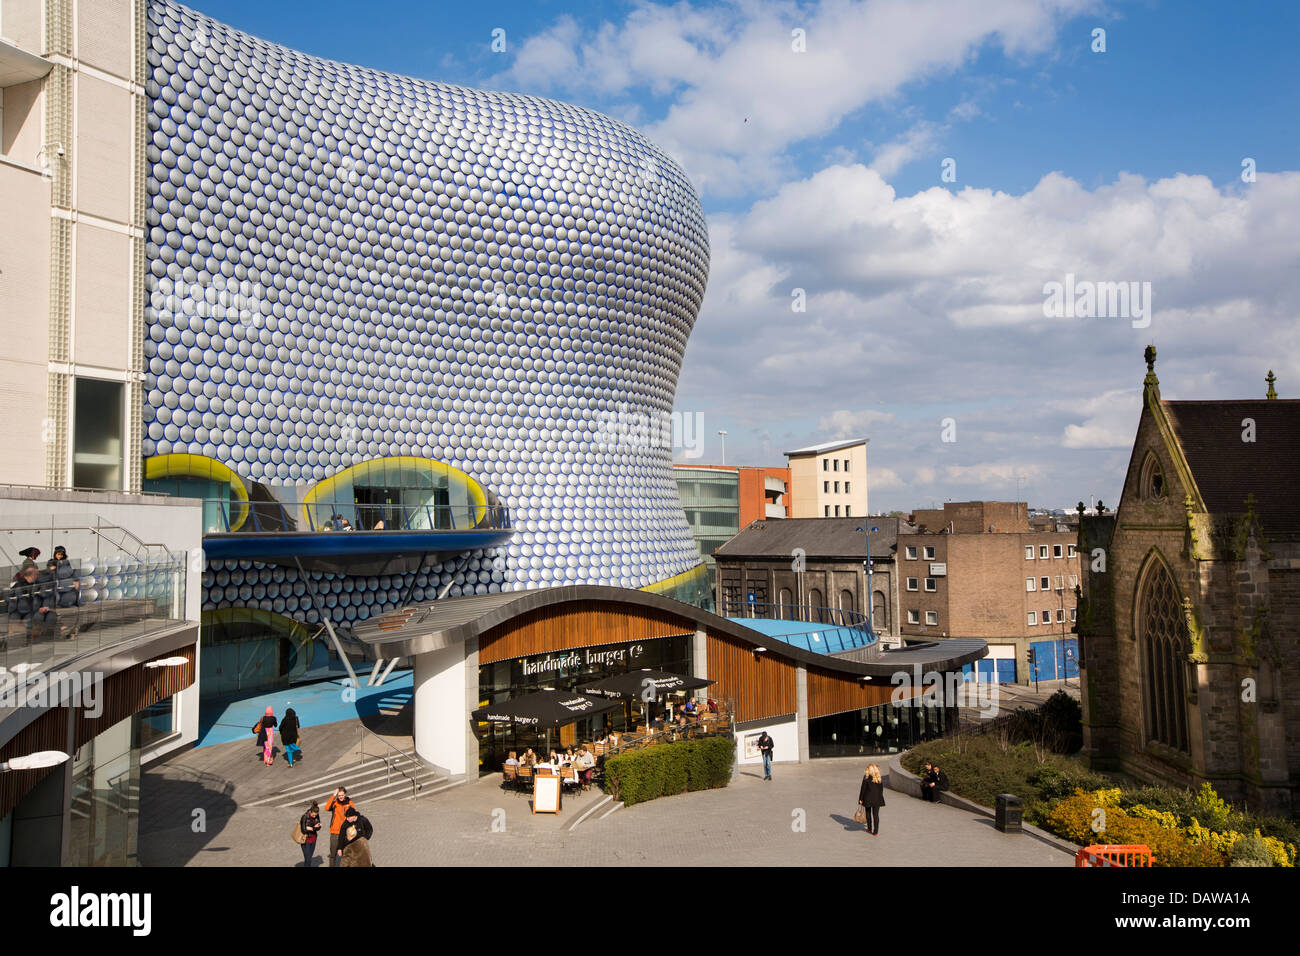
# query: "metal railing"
670,733
223,516
391,760
88,535
830,630
105,602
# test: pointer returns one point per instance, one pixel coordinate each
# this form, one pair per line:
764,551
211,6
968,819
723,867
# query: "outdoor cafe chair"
525,776
509,777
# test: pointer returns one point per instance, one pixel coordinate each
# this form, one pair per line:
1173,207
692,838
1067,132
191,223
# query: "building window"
913,617
837,464
1060,582
1074,614
1074,581
931,584
1044,584
931,617
1046,617
848,511
913,584
826,464
826,487
1033,619
1163,629
1029,552
1056,550
846,487
1029,584
837,511
828,511
98,434
910,551
837,487
1060,615
1152,482
1071,551
1042,552
846,464
929,553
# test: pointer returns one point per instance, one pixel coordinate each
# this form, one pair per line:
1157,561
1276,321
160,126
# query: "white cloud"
741,94
1110,420
930,305
845,424
892,157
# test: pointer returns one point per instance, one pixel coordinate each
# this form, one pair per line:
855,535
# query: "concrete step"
367,781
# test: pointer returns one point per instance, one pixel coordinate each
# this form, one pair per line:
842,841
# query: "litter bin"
1007,813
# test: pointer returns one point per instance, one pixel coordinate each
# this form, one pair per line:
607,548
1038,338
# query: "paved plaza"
802,818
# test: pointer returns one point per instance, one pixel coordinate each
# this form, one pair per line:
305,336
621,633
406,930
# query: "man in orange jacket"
339,804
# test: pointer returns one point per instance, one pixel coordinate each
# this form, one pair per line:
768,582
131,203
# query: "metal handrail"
416,786
829,621
291,517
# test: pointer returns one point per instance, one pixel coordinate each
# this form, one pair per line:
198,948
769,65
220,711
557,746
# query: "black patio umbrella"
644,685
546,708
543,710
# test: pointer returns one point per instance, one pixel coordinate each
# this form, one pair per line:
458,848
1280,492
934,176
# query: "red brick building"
976,569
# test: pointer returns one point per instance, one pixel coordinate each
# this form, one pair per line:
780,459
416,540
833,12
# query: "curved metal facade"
347,264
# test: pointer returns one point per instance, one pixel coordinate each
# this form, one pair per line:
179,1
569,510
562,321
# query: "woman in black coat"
289,735
871,797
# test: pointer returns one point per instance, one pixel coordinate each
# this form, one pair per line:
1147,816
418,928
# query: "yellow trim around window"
319,493
183,465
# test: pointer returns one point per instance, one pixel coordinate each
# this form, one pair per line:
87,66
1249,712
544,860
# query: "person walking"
310,825
290,735
338,805
871,797
265,730
765,746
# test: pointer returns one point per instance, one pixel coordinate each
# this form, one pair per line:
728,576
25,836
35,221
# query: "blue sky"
820,170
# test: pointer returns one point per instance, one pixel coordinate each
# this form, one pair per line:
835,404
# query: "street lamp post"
871,623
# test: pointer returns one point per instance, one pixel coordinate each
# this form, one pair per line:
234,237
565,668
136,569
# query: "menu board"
546,795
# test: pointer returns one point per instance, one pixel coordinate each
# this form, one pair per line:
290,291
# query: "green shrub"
1251,851
1213,810
667,769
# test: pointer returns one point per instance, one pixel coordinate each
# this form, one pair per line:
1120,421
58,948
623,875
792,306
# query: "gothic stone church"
1189,614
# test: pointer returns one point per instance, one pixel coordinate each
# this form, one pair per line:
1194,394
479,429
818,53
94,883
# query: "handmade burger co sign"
588,657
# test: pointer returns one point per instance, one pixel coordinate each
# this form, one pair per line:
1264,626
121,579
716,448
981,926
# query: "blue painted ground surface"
820,638
228,719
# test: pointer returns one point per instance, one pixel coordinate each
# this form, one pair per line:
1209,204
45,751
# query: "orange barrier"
1114,854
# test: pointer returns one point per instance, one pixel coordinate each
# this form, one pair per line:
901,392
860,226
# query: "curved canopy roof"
423,628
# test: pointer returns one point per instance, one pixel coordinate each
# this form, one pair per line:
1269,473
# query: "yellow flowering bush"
1167,820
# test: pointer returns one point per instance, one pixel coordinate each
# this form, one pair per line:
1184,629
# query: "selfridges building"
378,303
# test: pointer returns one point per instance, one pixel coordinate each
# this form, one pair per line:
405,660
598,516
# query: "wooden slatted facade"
762,687
580,624
121,695
831,693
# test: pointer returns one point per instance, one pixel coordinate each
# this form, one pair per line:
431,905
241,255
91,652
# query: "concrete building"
976,569
829,480
1190,616
72,293
719,500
